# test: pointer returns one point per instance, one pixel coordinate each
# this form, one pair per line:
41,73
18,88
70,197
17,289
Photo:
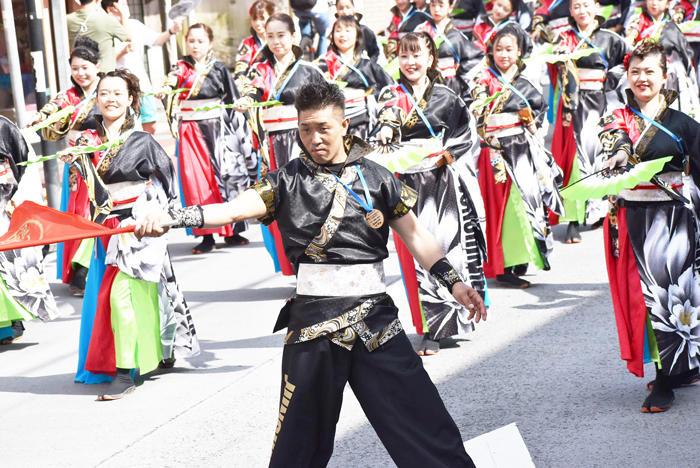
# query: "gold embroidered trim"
264,188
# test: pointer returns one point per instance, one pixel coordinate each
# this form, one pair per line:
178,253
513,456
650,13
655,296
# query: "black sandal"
121,386
509,280
77,284
206,246
573,236
685,379
236,240
17,333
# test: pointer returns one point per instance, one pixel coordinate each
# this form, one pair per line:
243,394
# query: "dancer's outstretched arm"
245,206
426,250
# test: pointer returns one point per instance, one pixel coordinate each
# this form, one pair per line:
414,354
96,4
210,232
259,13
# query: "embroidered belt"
592,79
463,24
280,118
447,67
693,34
504,124
559,23
355,101
125,194
648,192
322,279
188,113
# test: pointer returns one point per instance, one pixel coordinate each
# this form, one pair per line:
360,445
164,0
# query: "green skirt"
517,239
10,309
136,323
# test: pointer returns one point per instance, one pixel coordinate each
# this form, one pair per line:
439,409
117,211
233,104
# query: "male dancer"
334,209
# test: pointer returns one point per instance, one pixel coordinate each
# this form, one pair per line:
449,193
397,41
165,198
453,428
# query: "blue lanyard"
284,85
511,87
605,62
495,29
443,36
364,80
420,112
81,103
398,28
553,6
659,126
368,206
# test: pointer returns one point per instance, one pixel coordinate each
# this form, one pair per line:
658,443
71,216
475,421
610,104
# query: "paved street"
546,359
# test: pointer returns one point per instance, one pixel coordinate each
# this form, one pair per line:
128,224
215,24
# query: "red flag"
34,224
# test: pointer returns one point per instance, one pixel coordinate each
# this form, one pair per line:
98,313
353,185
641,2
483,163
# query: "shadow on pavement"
240,295
565,386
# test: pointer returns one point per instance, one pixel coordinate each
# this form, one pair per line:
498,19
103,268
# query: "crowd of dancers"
455,100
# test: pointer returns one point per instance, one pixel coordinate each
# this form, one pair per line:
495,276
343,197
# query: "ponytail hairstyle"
132,86
86,49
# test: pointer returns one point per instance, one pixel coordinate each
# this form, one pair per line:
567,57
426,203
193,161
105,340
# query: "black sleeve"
399,197
370,42
231,93
268,189
153,160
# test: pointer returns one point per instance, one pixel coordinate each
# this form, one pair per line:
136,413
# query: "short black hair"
315,96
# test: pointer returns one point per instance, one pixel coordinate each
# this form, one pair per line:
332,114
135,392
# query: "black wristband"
171,32
188,217
445,274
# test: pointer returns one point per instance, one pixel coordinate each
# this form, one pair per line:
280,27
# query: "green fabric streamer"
458,11
74,150
684,27
229,106
166,93
488,100
136,323
606,11
400,160
340,84
517,239
55,117
393,69
554,58
592,187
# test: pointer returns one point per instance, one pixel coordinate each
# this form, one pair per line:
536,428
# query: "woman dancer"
251,46
276,75
24,290
651,233
458,56
655,22
364,77
499,16
405,17
420,111
73,257
215,151
583,84
516,175
369,40
134,315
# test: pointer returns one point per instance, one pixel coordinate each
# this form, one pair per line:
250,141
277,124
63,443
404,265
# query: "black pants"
396,394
